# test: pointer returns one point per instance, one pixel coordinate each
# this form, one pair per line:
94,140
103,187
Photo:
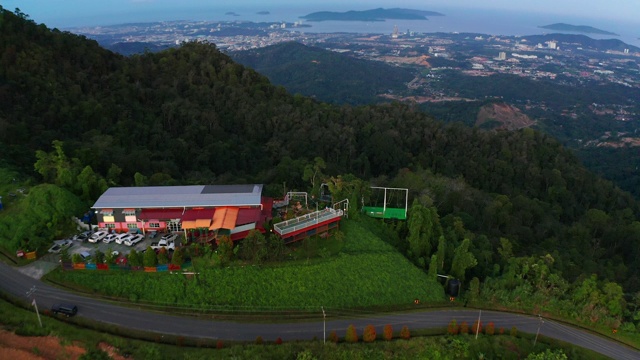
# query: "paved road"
17,284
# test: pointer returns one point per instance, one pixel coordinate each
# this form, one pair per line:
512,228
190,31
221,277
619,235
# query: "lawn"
367,272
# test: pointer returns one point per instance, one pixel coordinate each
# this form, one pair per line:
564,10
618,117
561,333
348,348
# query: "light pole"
324,326
478,327
538,332
30,293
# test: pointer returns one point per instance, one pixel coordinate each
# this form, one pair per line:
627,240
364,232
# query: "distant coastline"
577,28
263,13
379,14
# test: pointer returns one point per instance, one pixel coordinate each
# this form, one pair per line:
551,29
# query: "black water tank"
454,287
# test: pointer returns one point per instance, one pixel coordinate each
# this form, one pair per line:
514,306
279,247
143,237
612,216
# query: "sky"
71,13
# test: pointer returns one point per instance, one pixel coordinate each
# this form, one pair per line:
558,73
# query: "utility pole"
478,327
538,332
30,293
324,326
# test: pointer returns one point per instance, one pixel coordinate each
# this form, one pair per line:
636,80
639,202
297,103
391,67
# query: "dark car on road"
65,309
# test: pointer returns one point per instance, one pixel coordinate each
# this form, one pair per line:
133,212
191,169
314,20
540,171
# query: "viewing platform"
308,225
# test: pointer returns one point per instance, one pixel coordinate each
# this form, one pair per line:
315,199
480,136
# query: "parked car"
55,249
82,237
153,234
97,236
109,238
58,245
169,245
169,237
85,255
123,237
66,309
134,240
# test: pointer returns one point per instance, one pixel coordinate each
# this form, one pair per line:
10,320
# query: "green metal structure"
393,206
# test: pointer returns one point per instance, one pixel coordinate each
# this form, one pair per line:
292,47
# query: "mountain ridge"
378,14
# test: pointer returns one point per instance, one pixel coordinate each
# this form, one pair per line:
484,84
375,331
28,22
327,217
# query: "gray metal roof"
180,196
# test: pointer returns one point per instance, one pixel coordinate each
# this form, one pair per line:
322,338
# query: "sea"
490,22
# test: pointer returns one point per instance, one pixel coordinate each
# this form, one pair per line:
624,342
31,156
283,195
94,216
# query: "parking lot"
79,246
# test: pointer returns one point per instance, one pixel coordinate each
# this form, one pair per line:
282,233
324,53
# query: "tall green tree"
463,260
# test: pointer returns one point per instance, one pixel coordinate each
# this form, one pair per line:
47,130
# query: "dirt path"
16,347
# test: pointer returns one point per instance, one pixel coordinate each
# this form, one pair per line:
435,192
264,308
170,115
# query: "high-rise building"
502,55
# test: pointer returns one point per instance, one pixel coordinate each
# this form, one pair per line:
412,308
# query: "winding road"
18,284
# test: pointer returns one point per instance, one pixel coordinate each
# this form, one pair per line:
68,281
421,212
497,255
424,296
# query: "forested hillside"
192,115
323,74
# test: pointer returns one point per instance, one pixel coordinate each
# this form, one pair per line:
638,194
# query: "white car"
134,240
59,245
97,236
168,237
109,238
123,237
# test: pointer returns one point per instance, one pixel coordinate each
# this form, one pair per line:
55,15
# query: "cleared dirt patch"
16,347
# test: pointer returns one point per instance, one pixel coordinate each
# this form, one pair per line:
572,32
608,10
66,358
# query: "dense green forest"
516,211
313,71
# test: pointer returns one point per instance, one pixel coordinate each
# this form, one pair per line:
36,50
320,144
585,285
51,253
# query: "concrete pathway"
40,267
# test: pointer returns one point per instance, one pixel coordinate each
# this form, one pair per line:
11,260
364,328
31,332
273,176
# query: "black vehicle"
66,309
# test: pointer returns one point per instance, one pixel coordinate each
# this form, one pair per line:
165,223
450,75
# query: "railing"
306,221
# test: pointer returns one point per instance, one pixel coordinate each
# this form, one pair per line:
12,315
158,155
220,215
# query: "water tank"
454,287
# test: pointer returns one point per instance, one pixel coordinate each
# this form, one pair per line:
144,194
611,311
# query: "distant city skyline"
70,13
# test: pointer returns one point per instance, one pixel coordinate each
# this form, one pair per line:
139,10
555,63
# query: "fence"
105,267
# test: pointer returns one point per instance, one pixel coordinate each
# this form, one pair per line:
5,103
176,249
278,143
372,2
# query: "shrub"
404,333
150,258
514,331
369,334
490,329
388,332
95,354
464,328
134,258
76,258
219,344
259,340
163,258
352,335
453,329
501,332
279,341
180,341
477,327
225,250
333,336
98,257
178,257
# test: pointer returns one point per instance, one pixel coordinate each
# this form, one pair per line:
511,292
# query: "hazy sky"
65,13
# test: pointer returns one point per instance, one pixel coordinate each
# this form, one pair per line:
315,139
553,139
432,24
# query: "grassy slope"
367,272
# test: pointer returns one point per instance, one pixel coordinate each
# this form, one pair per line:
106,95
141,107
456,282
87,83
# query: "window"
174,225
129,212
154,225
110,226
107,212
132,226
